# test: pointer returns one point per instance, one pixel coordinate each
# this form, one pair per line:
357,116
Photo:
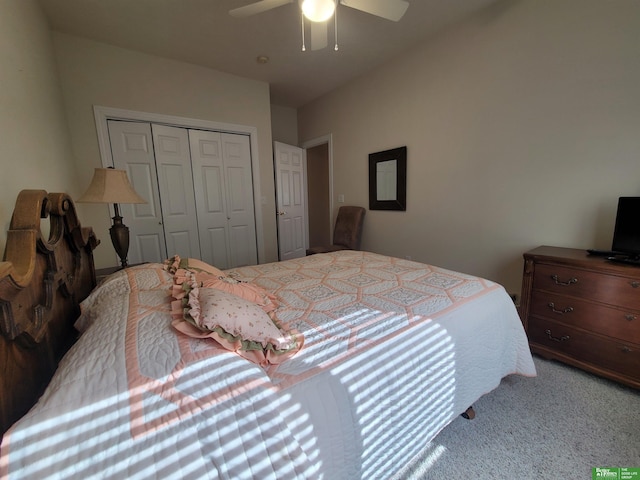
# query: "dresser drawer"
617,356
600,318
599,287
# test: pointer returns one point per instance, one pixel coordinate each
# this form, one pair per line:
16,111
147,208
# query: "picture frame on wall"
388,179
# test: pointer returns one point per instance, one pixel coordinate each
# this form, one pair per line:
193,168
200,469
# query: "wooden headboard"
42,282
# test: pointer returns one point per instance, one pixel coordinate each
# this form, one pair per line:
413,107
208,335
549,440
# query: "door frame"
103,114
314,142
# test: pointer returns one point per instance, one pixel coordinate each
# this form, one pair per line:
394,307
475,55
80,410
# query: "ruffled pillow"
208,276
173,264
235,323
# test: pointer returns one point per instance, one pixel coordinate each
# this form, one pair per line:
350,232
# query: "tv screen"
626,235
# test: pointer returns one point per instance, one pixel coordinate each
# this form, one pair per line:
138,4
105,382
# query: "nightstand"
102,273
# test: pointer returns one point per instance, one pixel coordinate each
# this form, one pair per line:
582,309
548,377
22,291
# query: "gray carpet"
558,425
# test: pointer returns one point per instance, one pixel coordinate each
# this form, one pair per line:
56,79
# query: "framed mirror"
388,180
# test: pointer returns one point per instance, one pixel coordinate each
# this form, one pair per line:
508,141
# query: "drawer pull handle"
569,282
635,284
626,349
564,338
560,312
630,317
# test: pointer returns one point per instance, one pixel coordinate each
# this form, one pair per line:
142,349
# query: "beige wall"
35,151
284,124
522,126
93,73
318,195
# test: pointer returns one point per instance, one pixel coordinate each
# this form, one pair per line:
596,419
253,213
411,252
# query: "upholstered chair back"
348,229
347,233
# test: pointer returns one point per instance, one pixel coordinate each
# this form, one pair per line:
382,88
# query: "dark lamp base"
120,238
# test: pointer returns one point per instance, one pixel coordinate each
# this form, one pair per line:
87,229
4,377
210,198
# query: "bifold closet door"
223,186
175,182
132,150
199,188
158,162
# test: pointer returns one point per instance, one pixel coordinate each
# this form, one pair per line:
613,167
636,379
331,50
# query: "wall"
35,151
284,125
93,73
318,195
522,129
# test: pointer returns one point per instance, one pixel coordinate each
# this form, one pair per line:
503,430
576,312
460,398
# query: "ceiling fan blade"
257,7
319,35
389,9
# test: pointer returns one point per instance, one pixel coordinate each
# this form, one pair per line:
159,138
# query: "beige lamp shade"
109,185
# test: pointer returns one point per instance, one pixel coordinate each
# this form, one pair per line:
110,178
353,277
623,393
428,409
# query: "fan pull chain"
335,28
304,49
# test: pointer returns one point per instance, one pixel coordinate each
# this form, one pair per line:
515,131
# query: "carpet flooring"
558,425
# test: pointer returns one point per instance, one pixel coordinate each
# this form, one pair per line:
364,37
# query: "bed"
393,351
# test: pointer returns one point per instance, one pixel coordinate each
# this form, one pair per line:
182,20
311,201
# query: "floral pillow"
236,324
210,277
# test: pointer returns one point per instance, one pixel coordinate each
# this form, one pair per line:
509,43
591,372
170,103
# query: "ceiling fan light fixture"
318,10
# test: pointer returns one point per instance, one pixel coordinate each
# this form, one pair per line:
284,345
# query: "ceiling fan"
319,11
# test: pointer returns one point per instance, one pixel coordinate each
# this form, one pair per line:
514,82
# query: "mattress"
394,350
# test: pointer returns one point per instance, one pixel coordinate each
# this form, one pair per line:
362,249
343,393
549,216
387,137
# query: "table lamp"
109,185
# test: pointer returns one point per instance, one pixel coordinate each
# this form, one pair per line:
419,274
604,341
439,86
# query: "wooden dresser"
584,311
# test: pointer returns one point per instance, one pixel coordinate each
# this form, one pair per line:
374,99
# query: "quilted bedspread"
394,350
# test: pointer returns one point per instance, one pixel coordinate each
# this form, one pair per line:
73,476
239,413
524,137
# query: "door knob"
282,213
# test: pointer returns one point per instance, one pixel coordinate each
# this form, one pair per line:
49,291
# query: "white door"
211,203
291,199
175,182
224,198
199,189
132,150
236,154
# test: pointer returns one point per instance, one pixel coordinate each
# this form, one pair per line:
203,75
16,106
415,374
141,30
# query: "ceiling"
202,32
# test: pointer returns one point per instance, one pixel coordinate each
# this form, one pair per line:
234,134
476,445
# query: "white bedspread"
394,351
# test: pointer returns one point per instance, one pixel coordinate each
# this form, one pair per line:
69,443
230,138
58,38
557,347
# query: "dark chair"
347,233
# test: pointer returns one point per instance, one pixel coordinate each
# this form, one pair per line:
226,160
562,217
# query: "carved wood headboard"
42,282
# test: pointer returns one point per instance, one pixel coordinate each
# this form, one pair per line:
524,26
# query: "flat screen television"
626,234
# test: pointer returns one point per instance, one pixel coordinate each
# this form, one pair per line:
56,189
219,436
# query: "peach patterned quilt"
394,350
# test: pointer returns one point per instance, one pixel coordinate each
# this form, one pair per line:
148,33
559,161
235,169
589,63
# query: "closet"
199,188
